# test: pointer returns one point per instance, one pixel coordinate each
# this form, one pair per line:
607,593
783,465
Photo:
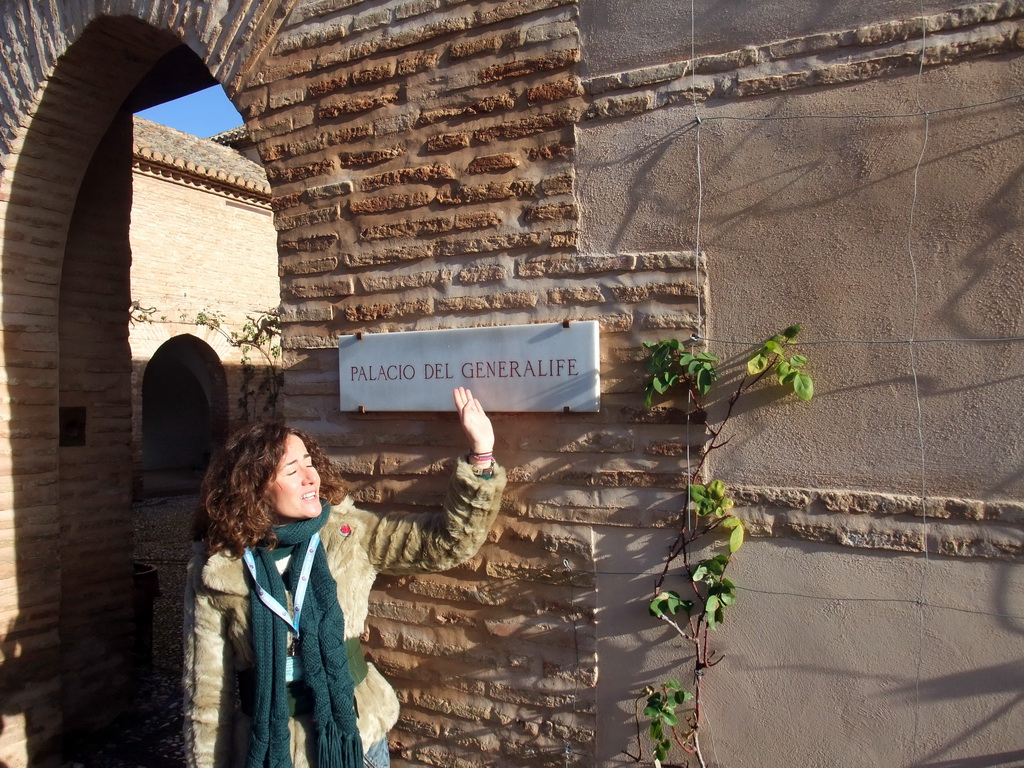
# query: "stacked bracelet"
482,464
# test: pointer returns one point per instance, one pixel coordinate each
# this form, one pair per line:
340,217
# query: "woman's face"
294,492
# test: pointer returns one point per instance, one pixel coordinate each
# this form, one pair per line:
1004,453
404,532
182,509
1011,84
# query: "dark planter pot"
146,589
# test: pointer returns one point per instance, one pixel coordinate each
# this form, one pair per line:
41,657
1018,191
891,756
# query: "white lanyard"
270,601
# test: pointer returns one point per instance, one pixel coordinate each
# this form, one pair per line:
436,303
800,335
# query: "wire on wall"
915,736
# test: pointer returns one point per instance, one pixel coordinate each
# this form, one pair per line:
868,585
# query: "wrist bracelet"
485,468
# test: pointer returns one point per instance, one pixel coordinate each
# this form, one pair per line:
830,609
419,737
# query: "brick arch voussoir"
147,338
228,37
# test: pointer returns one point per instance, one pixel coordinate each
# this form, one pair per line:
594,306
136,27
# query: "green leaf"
672,684
711,609
792,331
670,718
773,346
704,380
698,492
731,522
728,504
668,602
736,538
798,361
716,490
648,395
706,357
700,573
803,386
705,508
757,364
782,368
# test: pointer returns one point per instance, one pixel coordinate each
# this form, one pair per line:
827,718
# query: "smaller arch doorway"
184,415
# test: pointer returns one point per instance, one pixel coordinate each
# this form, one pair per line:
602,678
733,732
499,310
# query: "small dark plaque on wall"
72,426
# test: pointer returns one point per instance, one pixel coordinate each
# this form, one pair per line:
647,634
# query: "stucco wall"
827,658
619,37
845,208
806,220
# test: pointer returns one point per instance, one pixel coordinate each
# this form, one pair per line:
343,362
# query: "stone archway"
65,145
184,413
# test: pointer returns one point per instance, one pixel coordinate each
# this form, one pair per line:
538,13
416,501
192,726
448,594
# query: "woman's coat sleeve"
436,541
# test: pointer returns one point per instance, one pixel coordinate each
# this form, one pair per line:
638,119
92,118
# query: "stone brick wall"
65,543
94,477
421,165
44,669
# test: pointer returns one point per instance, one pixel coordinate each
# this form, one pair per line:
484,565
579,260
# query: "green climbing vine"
259,337
704,593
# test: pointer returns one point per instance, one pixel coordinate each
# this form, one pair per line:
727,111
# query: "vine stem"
697,751
699,624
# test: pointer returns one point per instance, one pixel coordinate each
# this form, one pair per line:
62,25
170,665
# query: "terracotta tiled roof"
202,158
232,138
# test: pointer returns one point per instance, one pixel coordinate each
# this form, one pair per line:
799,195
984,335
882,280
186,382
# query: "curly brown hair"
234,509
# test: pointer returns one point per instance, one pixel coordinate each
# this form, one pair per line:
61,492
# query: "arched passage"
184,413
64,217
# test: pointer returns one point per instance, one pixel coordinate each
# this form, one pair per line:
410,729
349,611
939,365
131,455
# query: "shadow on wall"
1004,682
892,627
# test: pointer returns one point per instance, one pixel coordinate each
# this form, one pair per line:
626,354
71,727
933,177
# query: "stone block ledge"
902,523
833,58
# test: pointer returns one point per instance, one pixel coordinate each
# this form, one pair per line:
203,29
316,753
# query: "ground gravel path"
149,734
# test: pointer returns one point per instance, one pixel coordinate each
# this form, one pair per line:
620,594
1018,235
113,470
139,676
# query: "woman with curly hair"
277,595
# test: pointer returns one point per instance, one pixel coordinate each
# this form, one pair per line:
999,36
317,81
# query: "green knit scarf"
323,655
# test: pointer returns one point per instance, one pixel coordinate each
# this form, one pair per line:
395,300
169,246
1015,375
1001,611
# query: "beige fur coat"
216,627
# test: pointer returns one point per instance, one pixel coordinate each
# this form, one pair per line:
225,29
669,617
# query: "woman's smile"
295,490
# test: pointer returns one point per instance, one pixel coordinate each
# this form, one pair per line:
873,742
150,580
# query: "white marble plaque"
547,367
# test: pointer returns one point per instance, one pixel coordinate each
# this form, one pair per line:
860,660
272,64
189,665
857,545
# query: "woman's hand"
474,421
